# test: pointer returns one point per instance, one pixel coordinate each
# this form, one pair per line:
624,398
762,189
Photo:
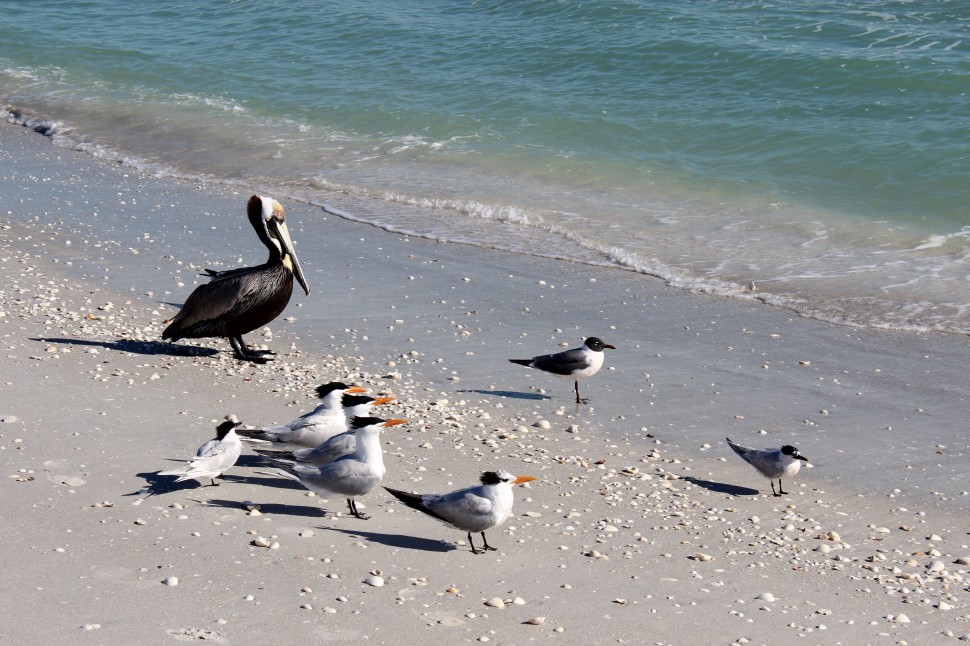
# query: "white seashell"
766,596
375,581
495,602
936,566
259,541
536,621
171,580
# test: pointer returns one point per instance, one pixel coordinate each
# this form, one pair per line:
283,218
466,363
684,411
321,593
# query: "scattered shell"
700,556
766,596
902,619
936,566
259,541
963,560
171,580
620,602
536,621
376,581
495,602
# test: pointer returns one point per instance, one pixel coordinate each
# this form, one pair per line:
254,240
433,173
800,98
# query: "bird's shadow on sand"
270,508
722,487
398,540
513,394
137,347
156,485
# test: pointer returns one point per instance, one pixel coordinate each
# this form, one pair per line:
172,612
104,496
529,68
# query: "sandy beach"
642,526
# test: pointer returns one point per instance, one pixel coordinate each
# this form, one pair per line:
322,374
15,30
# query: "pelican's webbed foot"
243,353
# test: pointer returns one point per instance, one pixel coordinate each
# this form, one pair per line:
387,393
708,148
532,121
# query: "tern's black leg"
486,545
472,543
245,354
576,383
781,490
352,504
214,483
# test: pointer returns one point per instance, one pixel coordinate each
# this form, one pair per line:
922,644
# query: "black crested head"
326,389
223,429
788,449
350,401
490,478
361,422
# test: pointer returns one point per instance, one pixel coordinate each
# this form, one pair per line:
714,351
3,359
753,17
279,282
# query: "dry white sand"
642,528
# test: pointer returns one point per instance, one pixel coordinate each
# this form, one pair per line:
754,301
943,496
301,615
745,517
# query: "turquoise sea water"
810,154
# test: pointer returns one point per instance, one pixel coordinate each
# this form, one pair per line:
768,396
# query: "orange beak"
382,400
355,389
393,422
521,479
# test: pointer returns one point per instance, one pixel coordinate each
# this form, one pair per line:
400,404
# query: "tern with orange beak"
337,446
473,509
314,428
352,475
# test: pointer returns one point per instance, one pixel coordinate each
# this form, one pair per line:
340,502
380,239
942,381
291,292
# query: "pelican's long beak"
522,479
282,234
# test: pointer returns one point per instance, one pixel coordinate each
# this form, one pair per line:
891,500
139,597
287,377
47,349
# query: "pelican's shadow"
722,487
399,540
137,347
513,394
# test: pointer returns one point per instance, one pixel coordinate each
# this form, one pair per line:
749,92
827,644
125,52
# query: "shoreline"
95,404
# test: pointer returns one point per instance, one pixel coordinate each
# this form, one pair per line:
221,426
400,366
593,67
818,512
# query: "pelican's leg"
486,546
245,354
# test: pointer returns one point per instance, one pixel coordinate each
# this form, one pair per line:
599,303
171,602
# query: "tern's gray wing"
466,509
766,461
346,476
336,447
562,363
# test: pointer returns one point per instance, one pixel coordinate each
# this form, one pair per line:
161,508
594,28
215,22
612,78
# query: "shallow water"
807,154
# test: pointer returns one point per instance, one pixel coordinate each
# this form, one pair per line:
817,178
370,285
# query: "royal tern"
213,458
338,445
313,428
473,509
352,475
238,301
772,463
574,364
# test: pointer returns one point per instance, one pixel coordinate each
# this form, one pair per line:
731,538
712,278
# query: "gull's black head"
223,429
596,344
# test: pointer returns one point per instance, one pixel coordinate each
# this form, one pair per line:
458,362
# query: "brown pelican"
239,301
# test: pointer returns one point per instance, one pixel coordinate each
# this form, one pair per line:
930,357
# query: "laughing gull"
574,364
